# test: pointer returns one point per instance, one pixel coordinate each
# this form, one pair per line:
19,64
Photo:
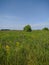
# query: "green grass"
24,48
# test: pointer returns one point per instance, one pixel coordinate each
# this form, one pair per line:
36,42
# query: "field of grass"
24,48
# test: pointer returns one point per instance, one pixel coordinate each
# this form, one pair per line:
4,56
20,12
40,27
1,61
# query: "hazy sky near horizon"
15,14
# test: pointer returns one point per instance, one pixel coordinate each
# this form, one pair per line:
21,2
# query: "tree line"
26,28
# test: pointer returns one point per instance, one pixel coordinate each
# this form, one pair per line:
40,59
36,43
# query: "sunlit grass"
24,48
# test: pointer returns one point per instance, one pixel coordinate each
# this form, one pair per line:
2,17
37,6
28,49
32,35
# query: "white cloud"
13,19
42,24
9,16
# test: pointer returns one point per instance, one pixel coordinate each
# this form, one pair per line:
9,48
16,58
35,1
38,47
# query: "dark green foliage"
27,28
5,29
45,28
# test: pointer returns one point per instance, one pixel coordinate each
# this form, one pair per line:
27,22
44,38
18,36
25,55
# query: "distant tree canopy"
5,29
45,28
27,28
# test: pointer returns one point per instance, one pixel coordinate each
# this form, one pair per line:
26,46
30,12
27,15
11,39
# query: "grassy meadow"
24,48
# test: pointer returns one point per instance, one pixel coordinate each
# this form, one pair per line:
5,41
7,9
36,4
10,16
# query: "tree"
5,29
45,28
27,28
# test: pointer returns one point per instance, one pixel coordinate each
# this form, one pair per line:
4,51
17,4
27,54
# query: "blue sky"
15,14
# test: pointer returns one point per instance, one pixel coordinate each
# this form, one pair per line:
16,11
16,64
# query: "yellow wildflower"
7,47
17,44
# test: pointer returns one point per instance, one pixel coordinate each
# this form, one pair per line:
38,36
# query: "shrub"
27,28
5,29
45,28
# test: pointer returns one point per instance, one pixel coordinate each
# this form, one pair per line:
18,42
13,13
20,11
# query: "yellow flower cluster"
17,44
7,48
0,45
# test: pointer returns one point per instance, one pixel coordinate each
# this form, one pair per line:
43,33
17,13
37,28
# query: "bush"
5,29
45,28
27,28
